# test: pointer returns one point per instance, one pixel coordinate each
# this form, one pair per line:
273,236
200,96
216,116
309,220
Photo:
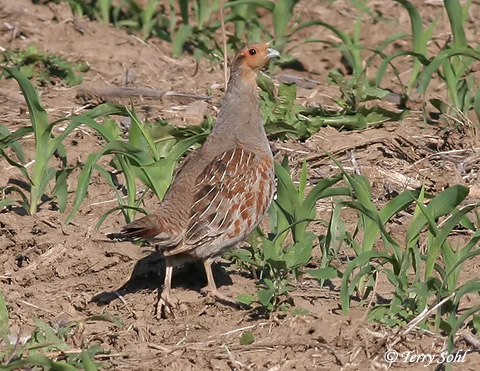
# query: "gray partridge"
221,191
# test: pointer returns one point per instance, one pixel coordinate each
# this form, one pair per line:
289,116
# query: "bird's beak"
272,53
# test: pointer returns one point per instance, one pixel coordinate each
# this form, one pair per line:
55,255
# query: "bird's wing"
231,195
160,228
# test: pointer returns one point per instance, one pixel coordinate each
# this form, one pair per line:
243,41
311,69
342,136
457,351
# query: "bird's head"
255,56
250,59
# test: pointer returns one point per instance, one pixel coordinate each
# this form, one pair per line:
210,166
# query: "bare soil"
60,273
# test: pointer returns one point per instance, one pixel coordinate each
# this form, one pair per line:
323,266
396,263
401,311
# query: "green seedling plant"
99,10
48,149
44,68
150,156
277,262
248,25
285,119
355,88
197,33
281,114
149,20
454,64
47,347
198,21
435,273
354,92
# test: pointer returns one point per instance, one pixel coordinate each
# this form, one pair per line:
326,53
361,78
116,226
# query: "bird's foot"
165,305
217,294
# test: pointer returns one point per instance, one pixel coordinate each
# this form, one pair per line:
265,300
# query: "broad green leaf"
299,254
265,296
247,338
246,299
88,362
323,273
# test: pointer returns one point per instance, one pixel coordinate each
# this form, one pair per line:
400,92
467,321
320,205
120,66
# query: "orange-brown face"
256,55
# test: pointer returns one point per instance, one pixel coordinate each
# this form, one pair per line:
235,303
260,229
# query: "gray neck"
240,113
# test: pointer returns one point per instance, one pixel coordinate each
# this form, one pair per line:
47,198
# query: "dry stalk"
224,40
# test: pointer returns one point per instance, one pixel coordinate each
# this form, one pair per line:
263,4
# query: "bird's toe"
164,307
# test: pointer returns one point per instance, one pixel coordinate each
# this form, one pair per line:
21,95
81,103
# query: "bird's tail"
144,228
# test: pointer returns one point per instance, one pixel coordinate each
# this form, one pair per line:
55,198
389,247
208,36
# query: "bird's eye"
252,52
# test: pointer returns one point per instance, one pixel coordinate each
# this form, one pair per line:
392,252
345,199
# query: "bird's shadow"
149,273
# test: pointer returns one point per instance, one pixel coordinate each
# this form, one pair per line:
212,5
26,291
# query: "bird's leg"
164,304
212,287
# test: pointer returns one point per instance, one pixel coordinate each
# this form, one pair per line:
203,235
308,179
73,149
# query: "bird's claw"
164,307
216,294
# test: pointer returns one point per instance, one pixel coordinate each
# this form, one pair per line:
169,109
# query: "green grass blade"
20,167
476,104
322,189
427,74
87,362
399,203
38,115
131,173
378,51
121,208
108,134
4,321
440,205
373,224
47,176
455,16
451,80
61,189
7,202
462,320
357,59
8,140
282,14
382,69
342,35
439,242
462,259
269,5
39,360
15,145
184,10
360,261
23,202
104,6
148,17
419,43
303,182
286,191
106,109
362,192
182,146
39,120
180,39
138,156
138,135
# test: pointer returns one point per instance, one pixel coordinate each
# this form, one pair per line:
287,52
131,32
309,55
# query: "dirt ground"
60,273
